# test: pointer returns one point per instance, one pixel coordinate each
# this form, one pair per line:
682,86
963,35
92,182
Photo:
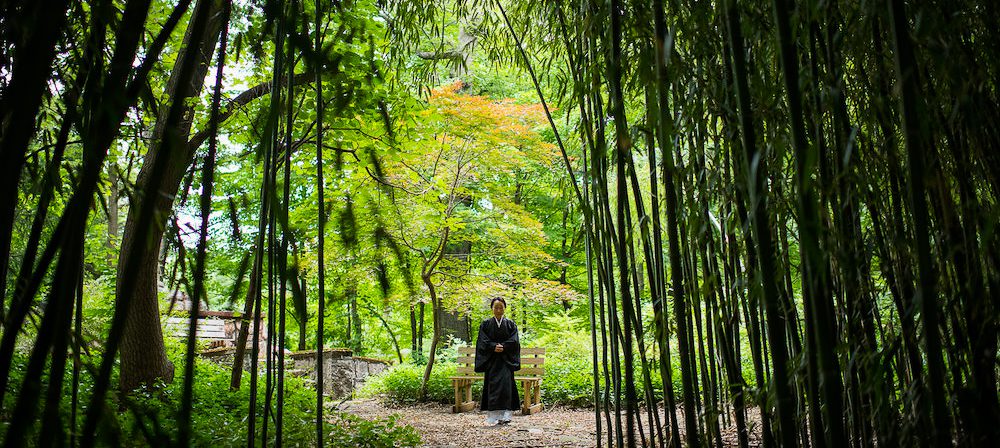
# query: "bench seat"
529,377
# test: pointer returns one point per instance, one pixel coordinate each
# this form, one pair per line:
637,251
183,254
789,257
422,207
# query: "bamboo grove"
90,47
790,207
814,229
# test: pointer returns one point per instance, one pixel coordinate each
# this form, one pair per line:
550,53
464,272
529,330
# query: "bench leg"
532,397
526,404
463,396
537,405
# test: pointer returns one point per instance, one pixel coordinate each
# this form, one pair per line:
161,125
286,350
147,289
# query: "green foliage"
564,336
98,305
568,366
401,384
148,417
566,382
356,431
489,124
569,382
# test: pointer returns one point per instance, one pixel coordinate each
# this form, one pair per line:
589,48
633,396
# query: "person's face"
498,309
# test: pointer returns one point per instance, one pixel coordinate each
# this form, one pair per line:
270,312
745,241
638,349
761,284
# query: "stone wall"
342,372
226,355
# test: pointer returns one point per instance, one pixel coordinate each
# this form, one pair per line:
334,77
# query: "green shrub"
568,382
356,431
568,369
565,382
400,384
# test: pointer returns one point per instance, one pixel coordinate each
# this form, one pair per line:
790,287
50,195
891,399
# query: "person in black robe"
498,356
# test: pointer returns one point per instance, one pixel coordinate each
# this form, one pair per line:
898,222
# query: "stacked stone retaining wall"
342,372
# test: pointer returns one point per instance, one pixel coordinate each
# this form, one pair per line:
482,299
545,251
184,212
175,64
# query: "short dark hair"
494,300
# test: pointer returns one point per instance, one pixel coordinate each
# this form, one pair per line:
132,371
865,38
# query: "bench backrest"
532,361
207,328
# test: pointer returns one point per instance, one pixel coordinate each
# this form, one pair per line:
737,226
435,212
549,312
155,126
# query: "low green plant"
400,384
568,382
356,431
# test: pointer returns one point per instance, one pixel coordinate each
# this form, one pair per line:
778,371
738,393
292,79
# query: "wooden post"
526,405
538,393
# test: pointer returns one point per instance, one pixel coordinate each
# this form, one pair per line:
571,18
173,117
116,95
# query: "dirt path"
439,428
553,427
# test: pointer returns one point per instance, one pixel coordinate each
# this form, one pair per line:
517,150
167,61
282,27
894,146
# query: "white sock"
492,417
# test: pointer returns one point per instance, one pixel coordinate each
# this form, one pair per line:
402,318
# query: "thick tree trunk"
143,358
933,406
761,230
455,323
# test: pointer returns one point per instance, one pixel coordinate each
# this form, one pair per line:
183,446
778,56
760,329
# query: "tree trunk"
818,299
304,318
455,323
420,331
112,204
143,358
457,58
413,330
355,339
435,309
426,274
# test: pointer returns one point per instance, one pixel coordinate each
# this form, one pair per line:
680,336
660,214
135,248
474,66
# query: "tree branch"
241,100
451,55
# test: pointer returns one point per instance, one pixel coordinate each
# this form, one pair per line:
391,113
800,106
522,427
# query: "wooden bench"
218,328
211,330
207,328
530,377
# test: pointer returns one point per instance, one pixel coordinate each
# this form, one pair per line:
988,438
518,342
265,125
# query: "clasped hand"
499,348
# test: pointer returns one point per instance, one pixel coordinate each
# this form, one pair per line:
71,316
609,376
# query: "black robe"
499,388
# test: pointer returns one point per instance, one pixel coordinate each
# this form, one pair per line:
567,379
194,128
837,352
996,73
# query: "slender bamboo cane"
208,185
320,230
926,297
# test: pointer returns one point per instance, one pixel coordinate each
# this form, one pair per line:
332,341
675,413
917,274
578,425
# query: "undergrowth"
148,417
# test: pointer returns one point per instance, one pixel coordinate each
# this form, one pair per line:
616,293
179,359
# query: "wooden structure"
530,377
218,328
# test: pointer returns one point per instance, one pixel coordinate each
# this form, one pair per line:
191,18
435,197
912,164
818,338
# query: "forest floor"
440,428
553,427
